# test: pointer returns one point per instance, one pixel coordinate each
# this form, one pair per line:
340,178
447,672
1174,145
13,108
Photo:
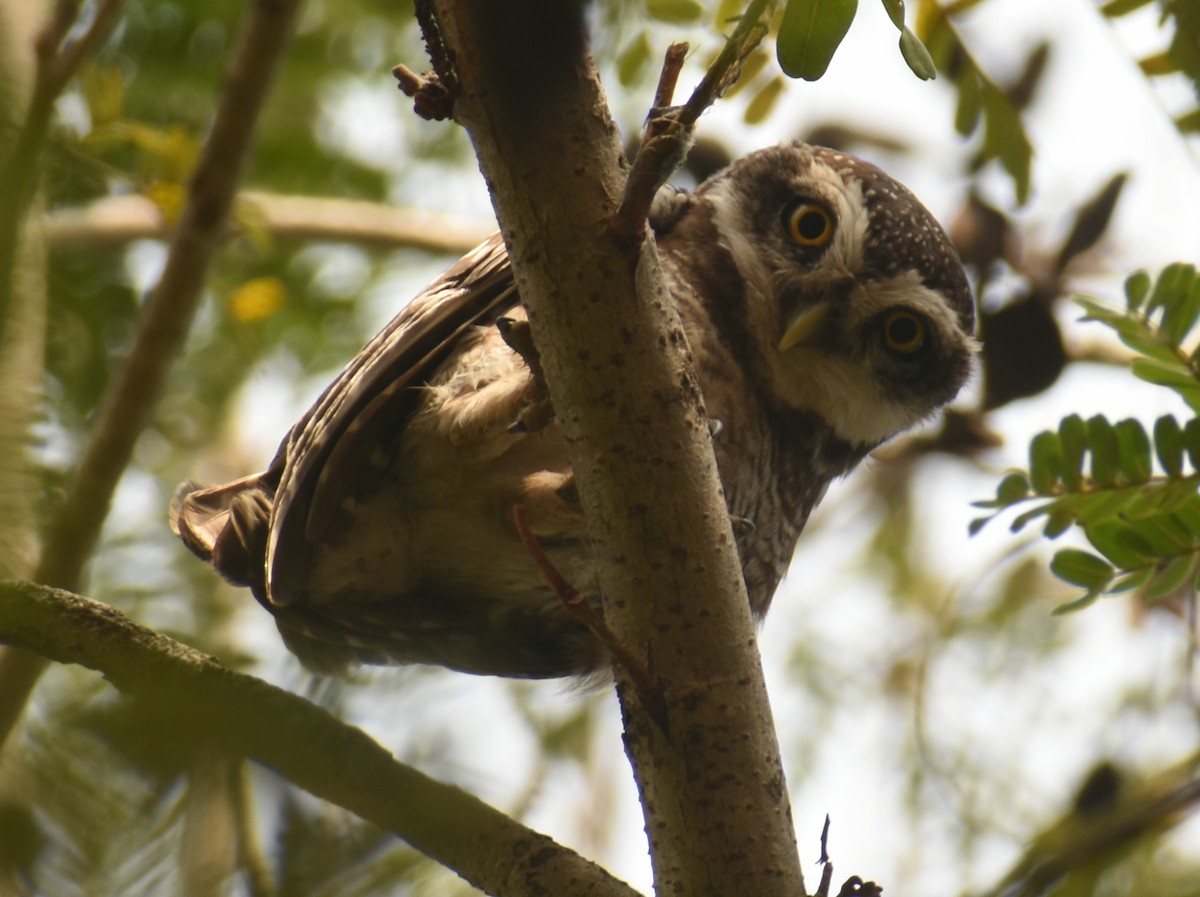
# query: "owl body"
825,311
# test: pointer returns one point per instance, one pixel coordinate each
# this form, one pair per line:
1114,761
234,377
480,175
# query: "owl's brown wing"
258,531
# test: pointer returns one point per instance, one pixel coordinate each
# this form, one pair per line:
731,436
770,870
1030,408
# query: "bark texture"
701,737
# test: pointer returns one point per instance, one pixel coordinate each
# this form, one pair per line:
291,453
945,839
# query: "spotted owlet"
826,312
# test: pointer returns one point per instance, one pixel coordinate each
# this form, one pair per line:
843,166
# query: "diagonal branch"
668,132
173,301
57,60
190,694
127,409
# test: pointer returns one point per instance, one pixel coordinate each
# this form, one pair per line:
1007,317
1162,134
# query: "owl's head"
856,300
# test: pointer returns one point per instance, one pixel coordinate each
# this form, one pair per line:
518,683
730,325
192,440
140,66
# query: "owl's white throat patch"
842,391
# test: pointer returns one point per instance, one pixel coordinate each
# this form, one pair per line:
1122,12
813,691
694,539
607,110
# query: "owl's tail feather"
227,526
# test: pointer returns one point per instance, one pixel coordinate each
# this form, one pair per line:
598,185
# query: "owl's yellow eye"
903,331
810,225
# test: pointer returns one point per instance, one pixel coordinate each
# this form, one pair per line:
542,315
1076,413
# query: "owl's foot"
742,526
551,504
644,679
537,412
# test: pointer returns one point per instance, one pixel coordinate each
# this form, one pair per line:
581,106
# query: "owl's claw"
742,526
644,679
537,412
533,417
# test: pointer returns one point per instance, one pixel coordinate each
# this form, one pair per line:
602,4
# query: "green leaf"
1103,441
1004,138
1078,604
1158,64
809,35
1024,519
632,60
763,102
677,12
1072,435
1100,506
1133,451
1045,462
1165,533
916,56
1191,441
1081,568
1170,576
974,527
1189,123
1168,445
1173,282
1137,288
1150,500
1058,521
895,11
1013,488
1178,299
1188,513
1179,497
969,106
1127,582
1114,8
1133,330
1178,379
1121,545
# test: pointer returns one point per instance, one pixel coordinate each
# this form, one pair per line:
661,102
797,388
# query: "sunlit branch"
116,220
189,693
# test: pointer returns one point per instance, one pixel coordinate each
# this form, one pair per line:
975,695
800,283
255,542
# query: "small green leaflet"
810,33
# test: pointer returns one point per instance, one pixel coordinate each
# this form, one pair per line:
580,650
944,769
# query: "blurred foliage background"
927,698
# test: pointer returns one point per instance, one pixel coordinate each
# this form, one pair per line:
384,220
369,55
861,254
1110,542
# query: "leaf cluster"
980,99
1099,476
810,32
1182,53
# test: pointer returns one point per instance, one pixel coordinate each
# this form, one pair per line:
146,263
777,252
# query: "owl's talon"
645,682
533,417
517,336
742,526
715,426
537,413
569,493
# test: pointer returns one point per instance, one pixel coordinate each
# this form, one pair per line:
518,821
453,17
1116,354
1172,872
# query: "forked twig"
668,130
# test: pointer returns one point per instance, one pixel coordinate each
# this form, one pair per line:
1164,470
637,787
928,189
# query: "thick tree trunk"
700,736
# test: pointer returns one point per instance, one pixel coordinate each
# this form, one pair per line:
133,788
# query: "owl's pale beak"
803,326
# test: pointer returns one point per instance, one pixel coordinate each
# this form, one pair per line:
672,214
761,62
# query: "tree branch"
191,695
57,60
127,408
628,404
173,301
115,220
668,131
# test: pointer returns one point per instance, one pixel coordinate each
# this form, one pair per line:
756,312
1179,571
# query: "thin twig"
668,131
1083,839
669,76
71,54
186,692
